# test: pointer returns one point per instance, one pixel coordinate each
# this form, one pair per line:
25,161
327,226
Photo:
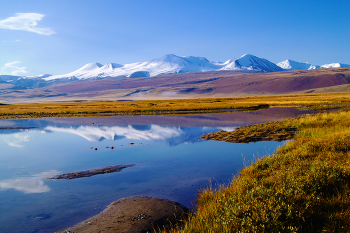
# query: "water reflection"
170,135
32,184
18,140
169,163
94,134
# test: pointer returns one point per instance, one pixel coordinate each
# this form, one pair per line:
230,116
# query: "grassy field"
81,109
76,109
303,187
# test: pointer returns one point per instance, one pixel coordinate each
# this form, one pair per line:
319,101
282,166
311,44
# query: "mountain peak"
335,65
111,66
171,63
294,65
251,62
91,66
247,56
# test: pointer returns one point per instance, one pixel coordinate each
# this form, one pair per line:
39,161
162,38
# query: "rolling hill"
223,83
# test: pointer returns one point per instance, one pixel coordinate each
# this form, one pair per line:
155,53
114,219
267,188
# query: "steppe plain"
303,187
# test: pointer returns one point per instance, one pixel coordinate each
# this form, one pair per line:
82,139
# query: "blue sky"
57,37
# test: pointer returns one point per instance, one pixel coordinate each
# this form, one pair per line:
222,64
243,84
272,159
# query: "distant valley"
186,85
177,77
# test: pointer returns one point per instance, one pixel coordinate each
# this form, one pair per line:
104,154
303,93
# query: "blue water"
170,162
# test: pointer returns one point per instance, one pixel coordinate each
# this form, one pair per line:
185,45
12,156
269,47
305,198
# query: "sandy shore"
133,215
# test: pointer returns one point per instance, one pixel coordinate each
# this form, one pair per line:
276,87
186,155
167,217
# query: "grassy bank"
82,109
303,187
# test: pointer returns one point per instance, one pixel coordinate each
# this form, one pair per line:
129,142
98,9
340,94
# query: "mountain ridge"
167,64
222,83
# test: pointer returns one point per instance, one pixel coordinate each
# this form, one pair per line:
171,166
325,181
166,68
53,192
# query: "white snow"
171,63
165,65
293,65
334,65
251,62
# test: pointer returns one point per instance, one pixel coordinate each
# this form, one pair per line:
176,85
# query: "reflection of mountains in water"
229,119
173,129
171,135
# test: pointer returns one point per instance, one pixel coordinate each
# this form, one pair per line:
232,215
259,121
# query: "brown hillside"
190,85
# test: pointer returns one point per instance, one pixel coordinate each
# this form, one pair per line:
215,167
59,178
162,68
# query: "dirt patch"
133,215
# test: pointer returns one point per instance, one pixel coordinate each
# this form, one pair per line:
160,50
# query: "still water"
169,162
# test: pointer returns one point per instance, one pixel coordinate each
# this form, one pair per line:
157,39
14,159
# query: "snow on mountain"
294,65
170,135
251,62
168,64
84,72
90,67
335,65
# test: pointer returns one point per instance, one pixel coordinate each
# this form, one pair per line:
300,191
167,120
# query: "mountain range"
168,64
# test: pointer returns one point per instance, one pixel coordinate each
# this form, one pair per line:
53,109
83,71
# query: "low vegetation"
82,109
78,109
273,131
303,187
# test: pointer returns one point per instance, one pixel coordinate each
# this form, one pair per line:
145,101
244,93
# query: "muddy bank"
133,215
16,128
88,173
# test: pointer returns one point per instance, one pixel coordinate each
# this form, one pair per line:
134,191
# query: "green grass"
303,187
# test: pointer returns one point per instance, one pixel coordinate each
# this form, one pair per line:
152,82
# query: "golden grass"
116,108
273,131
303,187
316,101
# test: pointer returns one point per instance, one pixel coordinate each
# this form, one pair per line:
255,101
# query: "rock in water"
74,175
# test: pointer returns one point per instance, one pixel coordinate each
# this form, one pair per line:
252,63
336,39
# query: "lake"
169,162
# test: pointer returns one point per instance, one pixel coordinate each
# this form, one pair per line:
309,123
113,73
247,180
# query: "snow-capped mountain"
168,64
335,65
294,65
251,62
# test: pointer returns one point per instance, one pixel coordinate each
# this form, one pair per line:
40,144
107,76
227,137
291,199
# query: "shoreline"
129,113
133,214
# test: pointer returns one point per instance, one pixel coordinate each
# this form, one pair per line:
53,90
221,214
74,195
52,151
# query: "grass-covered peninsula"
303,187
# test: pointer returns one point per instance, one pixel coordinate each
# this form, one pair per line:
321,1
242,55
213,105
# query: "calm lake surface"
169,163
